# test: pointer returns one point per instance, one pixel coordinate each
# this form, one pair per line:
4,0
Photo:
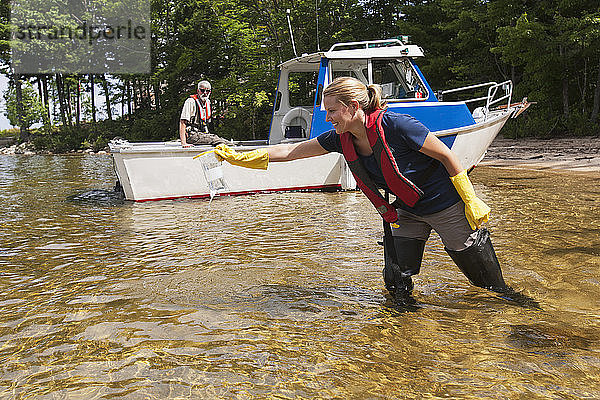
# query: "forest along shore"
568,154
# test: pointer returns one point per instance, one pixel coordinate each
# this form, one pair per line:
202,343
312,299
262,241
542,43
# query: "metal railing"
493,100
366,44
497,93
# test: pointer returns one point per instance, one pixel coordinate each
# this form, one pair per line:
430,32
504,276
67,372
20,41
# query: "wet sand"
566,154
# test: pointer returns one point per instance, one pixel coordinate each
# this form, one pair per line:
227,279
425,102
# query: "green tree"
557,48
33,109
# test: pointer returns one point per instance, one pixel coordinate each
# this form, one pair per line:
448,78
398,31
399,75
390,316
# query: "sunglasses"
204,90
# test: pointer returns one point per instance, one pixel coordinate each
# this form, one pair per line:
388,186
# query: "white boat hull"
158,171
162,171
471,142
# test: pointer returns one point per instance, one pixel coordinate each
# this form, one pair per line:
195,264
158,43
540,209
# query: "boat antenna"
317,18
291,33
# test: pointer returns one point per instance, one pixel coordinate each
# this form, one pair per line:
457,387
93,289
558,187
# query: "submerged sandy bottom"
281,295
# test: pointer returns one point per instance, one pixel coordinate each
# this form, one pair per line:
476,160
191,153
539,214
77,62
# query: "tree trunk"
24,135
565,96
565,85
69,103
584,85
128,90
253,123
43,99
78,111
134,94
62,103
46,98
39,86
513,75
106,96
596,106
147,85
155,89
93,95
123,100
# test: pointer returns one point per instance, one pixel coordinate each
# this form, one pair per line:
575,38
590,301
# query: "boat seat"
294,132
296,123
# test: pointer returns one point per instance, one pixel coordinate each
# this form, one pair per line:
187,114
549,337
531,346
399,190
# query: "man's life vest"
397,183
203,112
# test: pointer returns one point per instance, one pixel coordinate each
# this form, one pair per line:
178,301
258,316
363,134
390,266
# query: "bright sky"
4,124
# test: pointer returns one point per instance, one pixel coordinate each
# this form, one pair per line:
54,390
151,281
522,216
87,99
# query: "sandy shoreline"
567,154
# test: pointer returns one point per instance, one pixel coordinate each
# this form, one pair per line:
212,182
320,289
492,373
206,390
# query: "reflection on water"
99,197
281,295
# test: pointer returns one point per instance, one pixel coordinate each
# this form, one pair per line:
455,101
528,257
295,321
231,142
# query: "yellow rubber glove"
257,159
476,211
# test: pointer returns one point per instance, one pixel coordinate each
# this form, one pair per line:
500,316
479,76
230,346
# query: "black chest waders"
402,259
480,265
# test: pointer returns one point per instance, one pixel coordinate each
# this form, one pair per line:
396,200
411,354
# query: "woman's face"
338,114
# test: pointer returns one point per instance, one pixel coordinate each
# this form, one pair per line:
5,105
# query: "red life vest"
204,113
397,183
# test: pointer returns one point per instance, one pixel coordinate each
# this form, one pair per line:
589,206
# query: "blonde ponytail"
346,89
375,100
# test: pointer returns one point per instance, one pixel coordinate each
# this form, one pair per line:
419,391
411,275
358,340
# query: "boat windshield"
398,78
355,68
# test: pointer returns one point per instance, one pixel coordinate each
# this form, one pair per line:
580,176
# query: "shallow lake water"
281,295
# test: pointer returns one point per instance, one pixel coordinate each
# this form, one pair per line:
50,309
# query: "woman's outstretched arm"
295,151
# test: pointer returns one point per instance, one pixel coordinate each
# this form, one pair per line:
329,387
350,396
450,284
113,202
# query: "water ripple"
281,295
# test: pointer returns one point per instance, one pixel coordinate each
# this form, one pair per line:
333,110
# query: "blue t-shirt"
405,136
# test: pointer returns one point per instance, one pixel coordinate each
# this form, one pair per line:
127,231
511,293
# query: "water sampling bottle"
213,173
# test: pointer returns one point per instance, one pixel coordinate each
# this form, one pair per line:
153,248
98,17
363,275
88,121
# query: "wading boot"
401,262
479,263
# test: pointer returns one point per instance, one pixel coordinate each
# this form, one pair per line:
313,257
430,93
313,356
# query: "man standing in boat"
195,117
